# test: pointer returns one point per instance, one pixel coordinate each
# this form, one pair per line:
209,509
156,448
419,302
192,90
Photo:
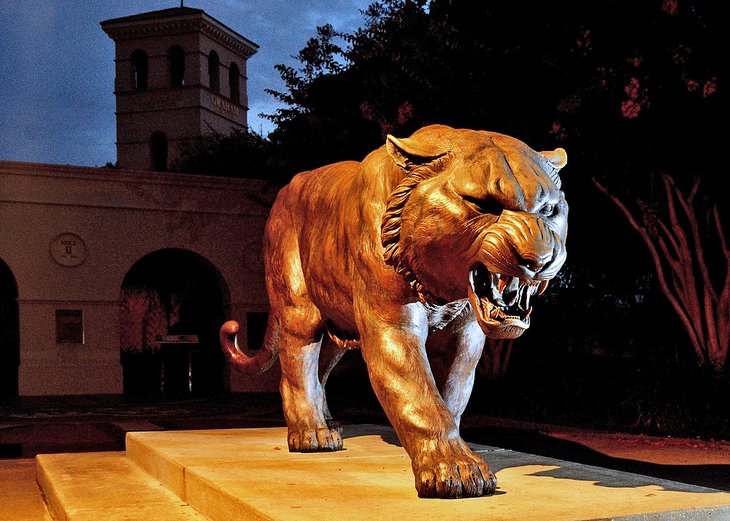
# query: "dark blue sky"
57,67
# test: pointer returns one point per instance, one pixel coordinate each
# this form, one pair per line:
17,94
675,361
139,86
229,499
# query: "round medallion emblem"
68,249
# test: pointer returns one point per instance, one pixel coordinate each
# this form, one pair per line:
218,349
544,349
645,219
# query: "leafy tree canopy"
625,86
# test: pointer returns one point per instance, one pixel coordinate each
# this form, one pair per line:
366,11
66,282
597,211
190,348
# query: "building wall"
121,216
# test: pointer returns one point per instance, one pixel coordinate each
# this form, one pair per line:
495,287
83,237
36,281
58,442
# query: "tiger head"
477,215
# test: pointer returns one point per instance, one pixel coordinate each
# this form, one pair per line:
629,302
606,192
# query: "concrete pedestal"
241,474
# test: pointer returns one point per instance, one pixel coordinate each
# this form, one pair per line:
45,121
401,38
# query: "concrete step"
249,474
20,498
242,474
105,486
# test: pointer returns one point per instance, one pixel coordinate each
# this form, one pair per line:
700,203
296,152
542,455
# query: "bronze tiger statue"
443,238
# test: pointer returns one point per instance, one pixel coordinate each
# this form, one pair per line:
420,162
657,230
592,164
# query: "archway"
9,334
214,65
158,151
139,69
173,304
176,64
234,83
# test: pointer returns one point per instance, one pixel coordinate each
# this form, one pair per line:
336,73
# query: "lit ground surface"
650,449
87,425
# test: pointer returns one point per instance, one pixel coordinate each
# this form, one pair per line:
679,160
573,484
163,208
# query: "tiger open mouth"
502,302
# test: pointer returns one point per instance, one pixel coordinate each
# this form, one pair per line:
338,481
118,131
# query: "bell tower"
180,73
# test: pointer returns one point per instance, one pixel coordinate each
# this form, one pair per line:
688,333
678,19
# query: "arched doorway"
173,304
9,334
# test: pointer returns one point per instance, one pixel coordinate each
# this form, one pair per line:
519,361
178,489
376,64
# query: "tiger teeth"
523,299
501,284
500,297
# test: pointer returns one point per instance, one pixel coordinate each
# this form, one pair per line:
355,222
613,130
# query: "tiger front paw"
450,469
315,440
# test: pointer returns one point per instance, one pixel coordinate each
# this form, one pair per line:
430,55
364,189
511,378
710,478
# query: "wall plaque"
69,326
68,249
225,107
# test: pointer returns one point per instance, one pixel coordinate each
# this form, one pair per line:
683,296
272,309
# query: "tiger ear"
408,152
558,158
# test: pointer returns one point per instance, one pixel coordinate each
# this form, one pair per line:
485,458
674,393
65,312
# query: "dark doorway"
173,304
9,335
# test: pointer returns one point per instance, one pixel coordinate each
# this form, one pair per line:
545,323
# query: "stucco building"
117,280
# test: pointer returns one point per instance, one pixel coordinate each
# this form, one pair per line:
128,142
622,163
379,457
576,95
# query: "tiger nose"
533,261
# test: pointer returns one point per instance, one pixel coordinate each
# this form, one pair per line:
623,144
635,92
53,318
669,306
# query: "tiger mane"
390,231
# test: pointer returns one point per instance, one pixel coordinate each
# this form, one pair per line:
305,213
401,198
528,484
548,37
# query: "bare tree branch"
661,274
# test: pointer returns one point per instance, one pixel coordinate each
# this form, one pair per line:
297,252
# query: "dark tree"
238,154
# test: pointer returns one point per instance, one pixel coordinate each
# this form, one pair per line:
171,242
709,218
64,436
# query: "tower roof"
155,15
177,20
